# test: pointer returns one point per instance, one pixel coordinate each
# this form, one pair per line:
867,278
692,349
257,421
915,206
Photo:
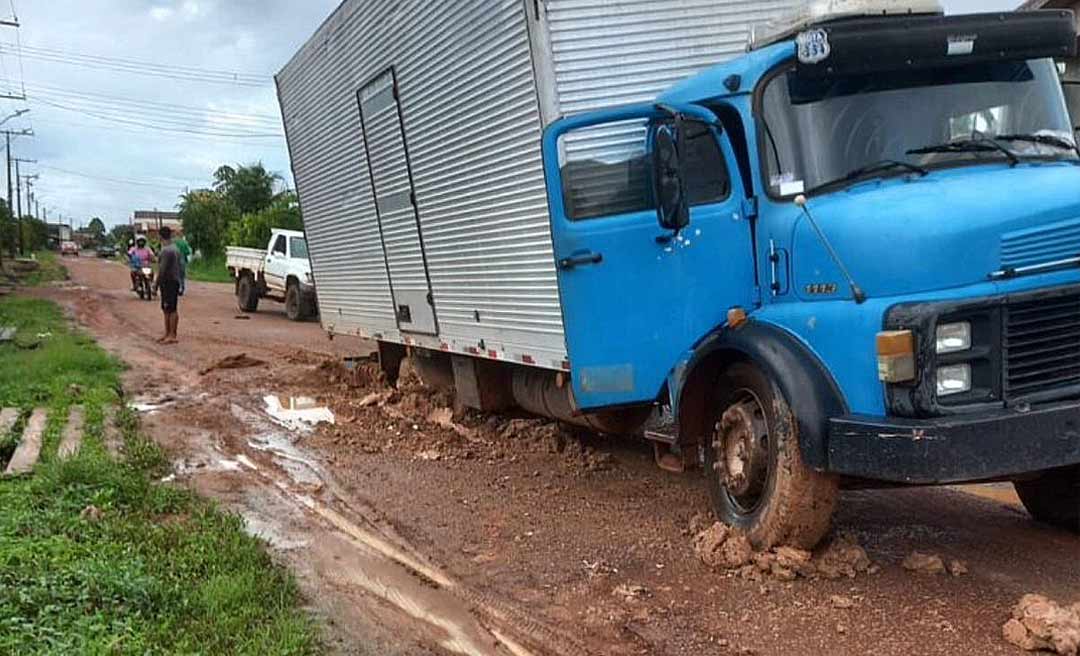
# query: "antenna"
856,291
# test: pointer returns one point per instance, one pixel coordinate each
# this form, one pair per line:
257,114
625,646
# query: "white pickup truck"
281,273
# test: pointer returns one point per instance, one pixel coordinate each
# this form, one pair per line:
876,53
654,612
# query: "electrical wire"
163,124
178,186
159,111
143,68
171,107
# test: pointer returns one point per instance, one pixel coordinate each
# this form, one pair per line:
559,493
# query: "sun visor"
894,43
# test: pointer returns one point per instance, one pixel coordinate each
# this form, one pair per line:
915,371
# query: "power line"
143,68
156,110
178,186
155,134
99,97
164,126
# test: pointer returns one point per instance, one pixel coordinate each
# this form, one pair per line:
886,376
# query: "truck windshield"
298,248
819,131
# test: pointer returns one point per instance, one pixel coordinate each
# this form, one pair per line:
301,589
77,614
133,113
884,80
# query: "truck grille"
1042,344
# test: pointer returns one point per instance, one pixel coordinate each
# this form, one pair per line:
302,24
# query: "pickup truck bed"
238,259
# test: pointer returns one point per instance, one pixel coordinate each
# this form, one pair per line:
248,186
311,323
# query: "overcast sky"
96,111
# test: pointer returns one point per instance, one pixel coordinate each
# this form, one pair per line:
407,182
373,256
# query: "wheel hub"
742,451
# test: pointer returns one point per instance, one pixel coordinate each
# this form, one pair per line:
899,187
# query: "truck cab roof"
289,233
711,83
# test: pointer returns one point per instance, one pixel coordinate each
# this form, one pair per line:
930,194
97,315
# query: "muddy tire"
294,303
757,478
247,297
1053,498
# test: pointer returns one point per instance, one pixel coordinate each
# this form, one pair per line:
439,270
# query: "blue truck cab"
850,256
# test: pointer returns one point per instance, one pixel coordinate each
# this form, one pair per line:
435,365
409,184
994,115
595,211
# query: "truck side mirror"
673,210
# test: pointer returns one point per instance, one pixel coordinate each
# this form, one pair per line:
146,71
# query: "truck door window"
707,179
606,171
298,247
279,245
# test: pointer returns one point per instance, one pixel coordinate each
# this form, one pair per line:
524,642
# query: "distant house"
1071,79
150,222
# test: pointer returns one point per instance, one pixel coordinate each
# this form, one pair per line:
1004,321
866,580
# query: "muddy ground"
415,533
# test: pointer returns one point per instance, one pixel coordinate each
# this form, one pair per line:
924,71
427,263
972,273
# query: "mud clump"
921,563
723,548
233,362
1039,624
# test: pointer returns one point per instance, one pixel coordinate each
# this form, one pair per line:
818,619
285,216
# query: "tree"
206,216
97,227
250,188
253,230
121,235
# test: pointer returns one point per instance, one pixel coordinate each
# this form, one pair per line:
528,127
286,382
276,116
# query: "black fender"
809,388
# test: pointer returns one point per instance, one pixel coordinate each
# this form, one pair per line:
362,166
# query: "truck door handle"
580,259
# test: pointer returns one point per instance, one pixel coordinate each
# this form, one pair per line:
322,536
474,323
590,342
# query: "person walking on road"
185,257
168,282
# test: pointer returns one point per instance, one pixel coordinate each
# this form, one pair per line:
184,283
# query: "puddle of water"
298,413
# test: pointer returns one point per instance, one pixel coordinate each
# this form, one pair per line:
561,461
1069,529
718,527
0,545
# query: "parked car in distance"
281,272
106,252
69,248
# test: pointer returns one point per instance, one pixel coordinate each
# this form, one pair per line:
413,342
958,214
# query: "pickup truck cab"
280,273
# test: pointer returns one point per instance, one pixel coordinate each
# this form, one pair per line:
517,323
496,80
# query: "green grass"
50,270
210,269
162,572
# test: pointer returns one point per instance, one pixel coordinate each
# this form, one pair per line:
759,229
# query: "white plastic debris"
298,413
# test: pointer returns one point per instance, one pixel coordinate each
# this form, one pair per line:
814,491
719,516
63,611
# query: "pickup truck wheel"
757,478
247,298
294,304
1053,498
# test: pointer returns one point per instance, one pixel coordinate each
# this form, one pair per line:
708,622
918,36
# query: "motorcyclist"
139,256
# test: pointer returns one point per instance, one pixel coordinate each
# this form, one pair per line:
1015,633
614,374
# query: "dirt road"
413,534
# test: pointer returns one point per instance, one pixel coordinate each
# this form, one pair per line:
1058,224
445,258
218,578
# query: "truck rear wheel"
247,297
294,303
757,478
1053,498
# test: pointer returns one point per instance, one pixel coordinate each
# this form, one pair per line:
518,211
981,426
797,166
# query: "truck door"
277,263
636,296
395,204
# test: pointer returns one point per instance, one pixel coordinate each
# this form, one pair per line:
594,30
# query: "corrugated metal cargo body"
415,132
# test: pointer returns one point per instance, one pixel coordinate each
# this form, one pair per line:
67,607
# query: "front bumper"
958,449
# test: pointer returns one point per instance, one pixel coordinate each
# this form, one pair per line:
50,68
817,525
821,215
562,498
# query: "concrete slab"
114,441
8,418
72,439
29,450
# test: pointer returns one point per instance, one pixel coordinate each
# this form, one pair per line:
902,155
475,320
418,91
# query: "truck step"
29,450
73,434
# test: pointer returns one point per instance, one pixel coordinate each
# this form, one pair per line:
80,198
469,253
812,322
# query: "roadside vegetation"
209,269
50,269
97,558
241,208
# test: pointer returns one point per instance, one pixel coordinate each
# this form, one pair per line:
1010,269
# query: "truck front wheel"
757,478
1053,498
295,307
247,297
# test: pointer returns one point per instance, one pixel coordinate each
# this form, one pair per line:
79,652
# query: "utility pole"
18,200
8,134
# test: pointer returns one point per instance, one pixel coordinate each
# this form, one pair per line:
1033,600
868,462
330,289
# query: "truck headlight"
953,337
953,379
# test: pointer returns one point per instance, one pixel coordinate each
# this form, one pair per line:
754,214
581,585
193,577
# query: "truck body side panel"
478,82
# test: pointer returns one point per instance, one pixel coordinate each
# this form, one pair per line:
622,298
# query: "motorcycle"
144,283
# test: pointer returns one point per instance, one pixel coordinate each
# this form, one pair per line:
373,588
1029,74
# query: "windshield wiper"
1042,139
871,169
974,145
